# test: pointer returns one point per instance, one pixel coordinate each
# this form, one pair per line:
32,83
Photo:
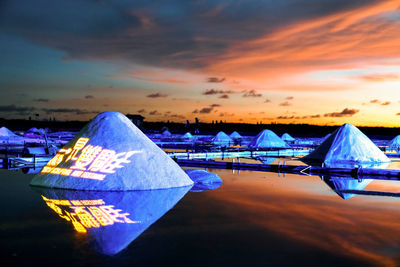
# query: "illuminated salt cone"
235,135
347,147
394,144
222,139
111,220
4,132
111,153
287,137
187,136
268,139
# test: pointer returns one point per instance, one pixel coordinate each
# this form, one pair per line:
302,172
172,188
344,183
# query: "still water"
253,219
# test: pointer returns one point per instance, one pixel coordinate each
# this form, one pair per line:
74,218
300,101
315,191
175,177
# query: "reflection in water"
266,160
203,180
342,184
112,220
300,210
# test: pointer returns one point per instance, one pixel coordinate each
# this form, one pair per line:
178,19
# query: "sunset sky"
305,61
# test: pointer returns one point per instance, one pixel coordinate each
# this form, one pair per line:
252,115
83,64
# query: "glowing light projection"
111,154
109,220
91,162
84,214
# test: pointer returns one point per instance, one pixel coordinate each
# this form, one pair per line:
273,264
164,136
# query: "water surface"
253,219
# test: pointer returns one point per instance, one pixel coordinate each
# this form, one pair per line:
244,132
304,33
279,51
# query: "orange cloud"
379,77
341,40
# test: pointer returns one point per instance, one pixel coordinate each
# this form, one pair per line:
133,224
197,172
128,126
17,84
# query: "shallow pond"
253,219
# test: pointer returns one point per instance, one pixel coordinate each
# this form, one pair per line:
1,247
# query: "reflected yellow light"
86,214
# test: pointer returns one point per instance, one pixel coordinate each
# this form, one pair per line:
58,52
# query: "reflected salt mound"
203,180
266,160
341,184
111,220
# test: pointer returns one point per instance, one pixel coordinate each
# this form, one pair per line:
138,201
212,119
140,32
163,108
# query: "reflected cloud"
111,220
301,211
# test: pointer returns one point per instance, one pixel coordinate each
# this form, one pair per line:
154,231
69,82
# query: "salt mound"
187,136
395,144
111,153
235,135
341,184
347,145
268,139
222,139
203,180
131,213
287,137
4,132
166,133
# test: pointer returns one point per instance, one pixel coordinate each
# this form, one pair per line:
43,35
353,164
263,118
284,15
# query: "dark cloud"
216,92
374,101
89,96
224,96
344,113
41,100
156,95
385,103
177,116
285,117
143,32
16,109
251,93
314,116
154,112
215,80
225,114
289,98
206,110
285,104
141,111
76,111
267,101
398,114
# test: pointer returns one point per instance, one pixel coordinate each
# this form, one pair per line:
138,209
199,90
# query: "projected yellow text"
86,214
90,162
